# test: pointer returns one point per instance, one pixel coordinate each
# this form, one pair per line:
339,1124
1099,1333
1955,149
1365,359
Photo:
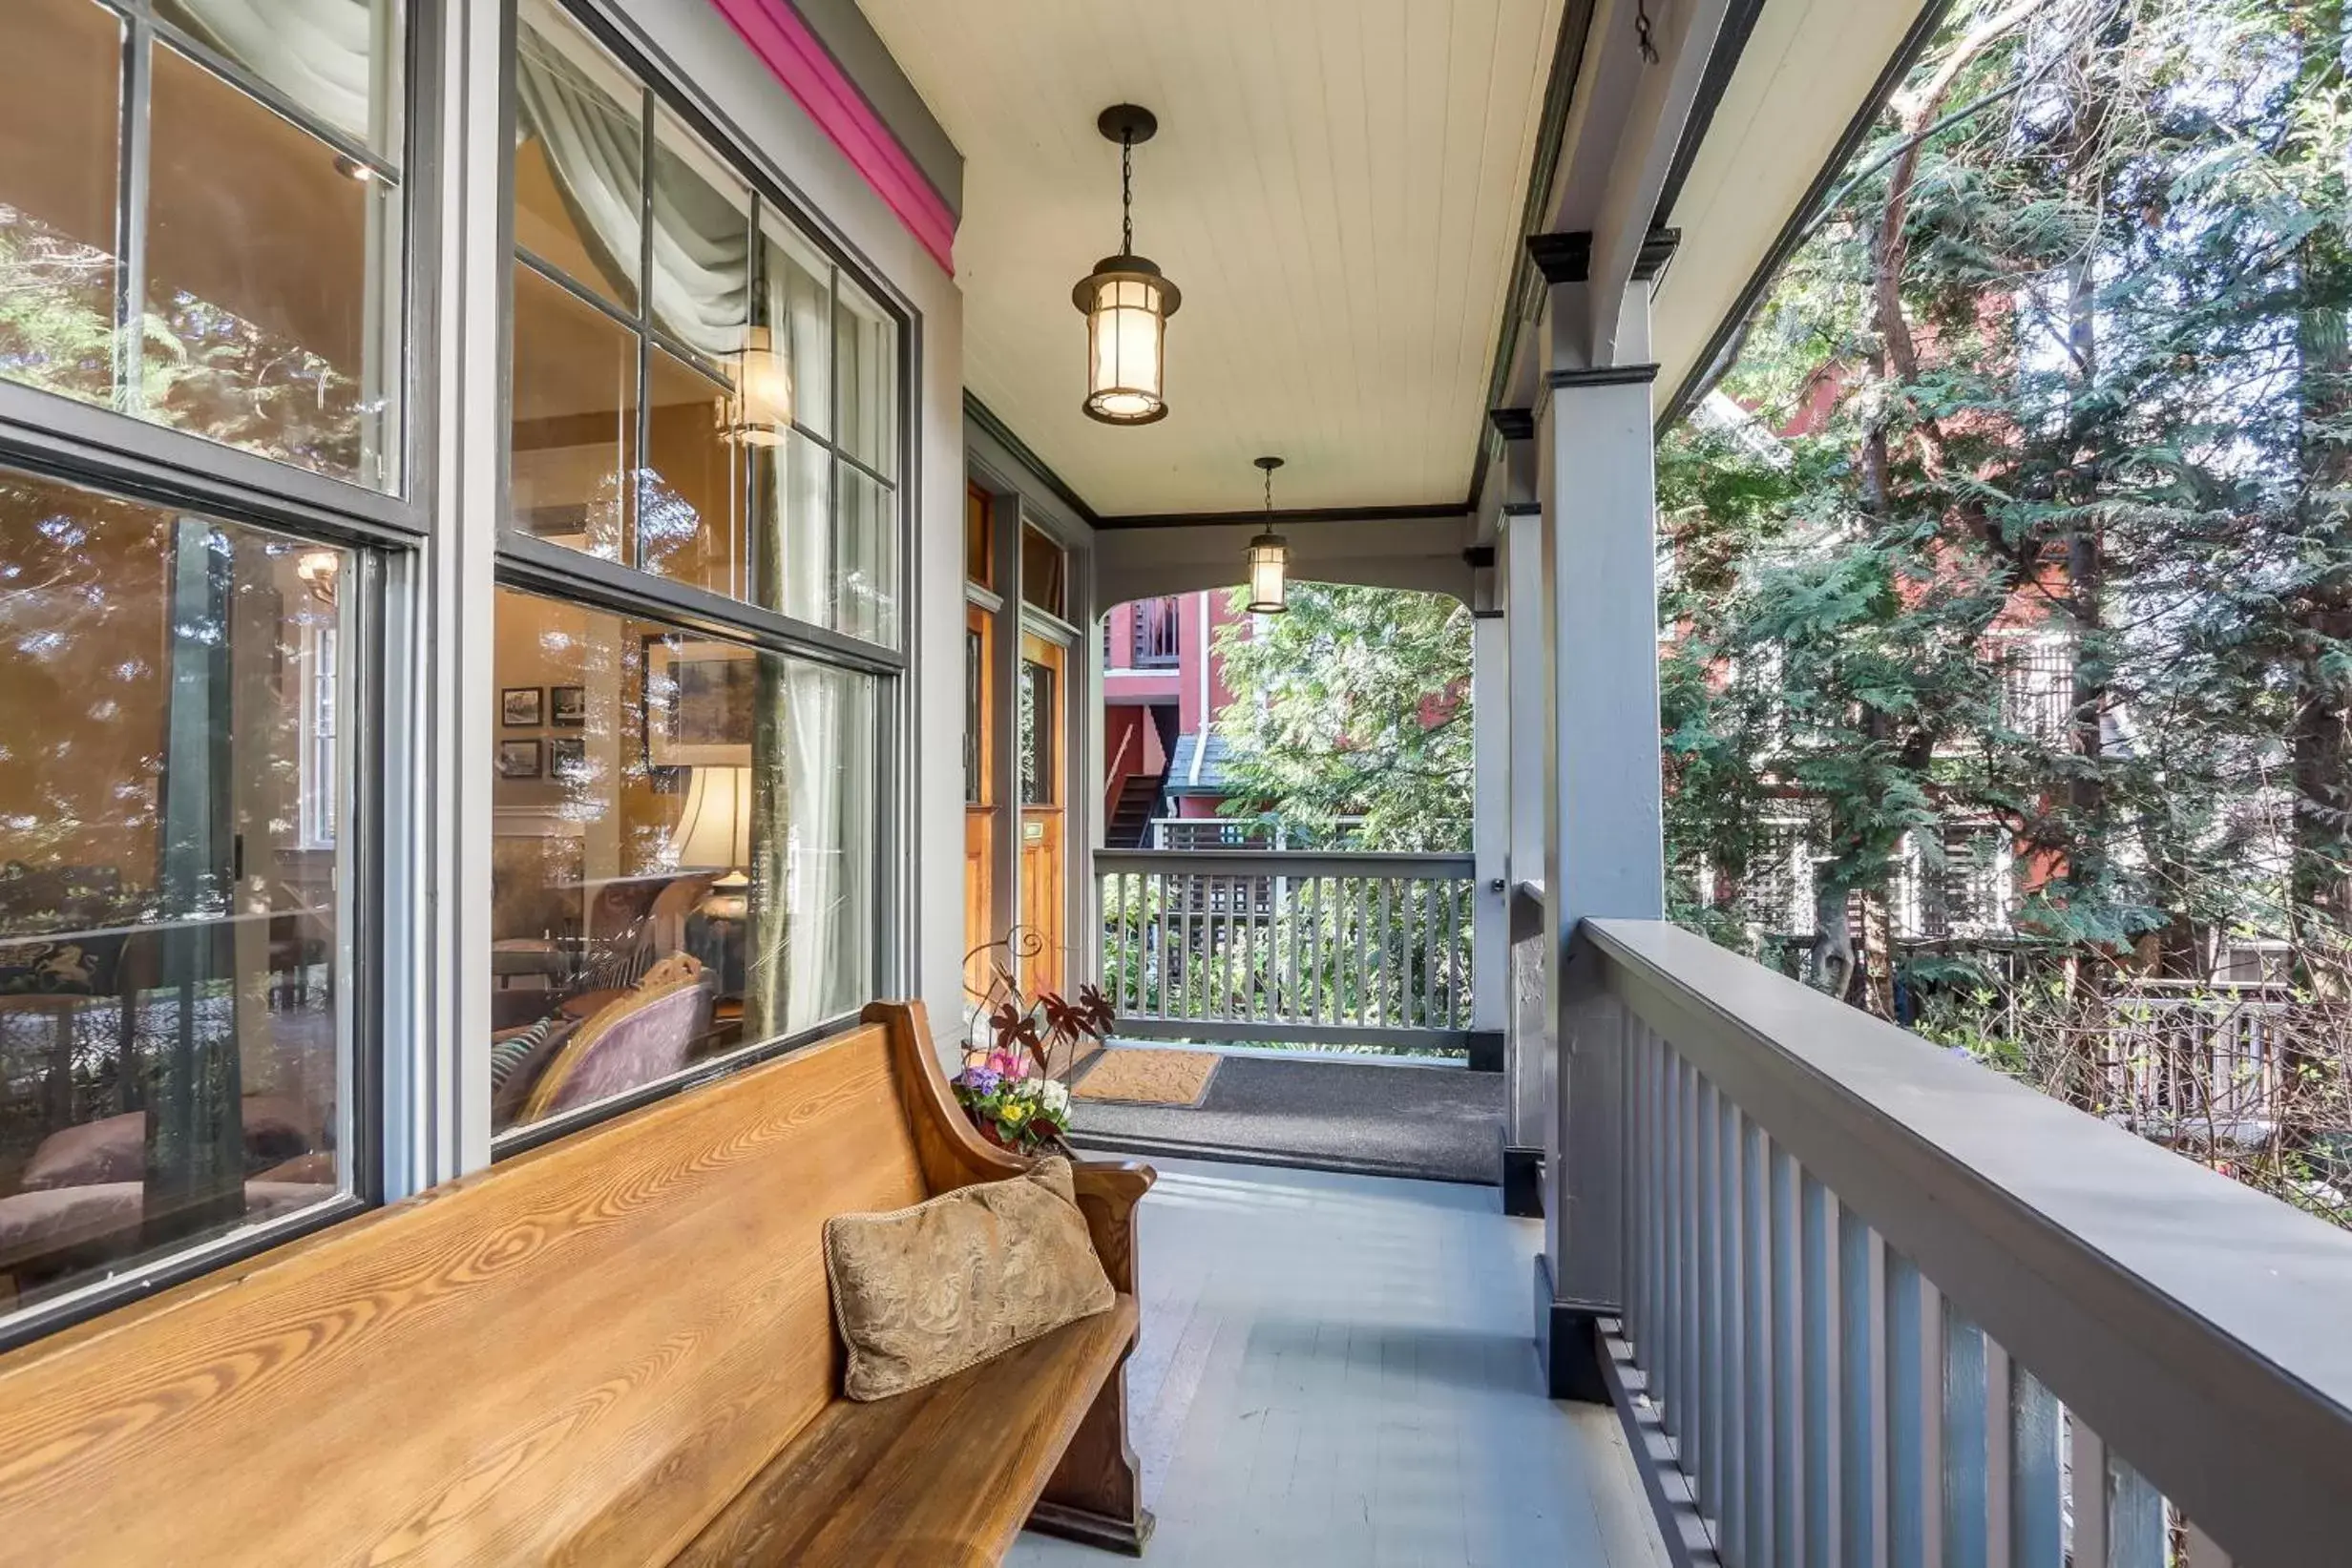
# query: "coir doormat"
1143,1077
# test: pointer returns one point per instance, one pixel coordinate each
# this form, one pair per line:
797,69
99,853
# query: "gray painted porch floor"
1337,1369
1330,1112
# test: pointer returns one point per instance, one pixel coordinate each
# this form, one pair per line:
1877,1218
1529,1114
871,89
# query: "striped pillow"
513,1050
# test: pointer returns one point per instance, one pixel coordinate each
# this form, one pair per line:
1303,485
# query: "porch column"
1490,781
1603,839
1527,1048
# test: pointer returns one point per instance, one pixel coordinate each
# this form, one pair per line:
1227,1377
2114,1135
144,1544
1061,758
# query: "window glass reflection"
574,435
579,156
174,1059
59,124
262,282
701,243
684,858
689,495
338,60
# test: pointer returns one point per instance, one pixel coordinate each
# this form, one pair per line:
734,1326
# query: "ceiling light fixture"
1125,300
1269,555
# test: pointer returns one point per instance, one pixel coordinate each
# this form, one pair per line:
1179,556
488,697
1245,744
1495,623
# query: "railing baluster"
2087,1493
1430,953
1788,1449
1912,1329
1689,1390
1861,1466
2000,1456
2037,1478
1968,1492
1730,1317
1755,1364
1818,1298
1708,1405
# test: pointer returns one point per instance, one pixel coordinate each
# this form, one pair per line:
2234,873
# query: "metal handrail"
1835,1238
1291,863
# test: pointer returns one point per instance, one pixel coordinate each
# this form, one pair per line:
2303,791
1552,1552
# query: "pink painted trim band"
782,40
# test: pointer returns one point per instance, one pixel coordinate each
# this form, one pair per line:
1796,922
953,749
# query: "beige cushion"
926,1291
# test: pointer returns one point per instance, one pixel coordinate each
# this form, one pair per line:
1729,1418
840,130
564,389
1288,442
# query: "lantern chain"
1270,495
1641,30
1126,192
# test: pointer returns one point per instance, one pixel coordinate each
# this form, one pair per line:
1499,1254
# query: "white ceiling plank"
1336,187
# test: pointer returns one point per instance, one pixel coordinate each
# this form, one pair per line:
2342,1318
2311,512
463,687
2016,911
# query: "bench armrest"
1107,1192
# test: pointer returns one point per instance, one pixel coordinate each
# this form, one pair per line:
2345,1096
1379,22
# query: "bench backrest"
578,1356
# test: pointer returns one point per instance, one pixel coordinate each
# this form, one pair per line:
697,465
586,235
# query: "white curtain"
702,242
321,53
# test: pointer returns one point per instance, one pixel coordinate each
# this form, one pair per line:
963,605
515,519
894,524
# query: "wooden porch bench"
617,1348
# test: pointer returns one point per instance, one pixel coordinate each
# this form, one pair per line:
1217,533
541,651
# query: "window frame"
539,566
49,435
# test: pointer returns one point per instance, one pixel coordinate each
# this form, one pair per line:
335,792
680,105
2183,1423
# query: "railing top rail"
2198,1324
1283,863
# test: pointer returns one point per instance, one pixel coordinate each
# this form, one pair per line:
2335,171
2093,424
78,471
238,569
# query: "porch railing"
1242,945
1156,623
1884,1306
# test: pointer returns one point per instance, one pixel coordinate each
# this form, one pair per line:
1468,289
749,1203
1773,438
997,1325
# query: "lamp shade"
1269,561
761,408
715,828
1127,303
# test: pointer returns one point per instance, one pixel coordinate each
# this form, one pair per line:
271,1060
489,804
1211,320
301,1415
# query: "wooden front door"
981,810
1044,773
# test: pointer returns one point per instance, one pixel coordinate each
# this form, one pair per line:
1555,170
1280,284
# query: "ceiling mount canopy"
1125,300
1269,555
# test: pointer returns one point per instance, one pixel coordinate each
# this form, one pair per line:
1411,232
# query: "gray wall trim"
1704,371
1407,513
866,61
2193,1324
1608,375
1722,61
1012,459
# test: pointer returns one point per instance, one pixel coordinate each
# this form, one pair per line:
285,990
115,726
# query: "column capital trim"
1512,424
1605,375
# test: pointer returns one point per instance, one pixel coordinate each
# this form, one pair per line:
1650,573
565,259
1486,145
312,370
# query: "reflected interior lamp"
715,829
1269,555
1125,300
761,409
318,570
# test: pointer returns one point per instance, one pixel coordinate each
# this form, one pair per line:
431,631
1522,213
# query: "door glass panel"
690,493
575,430
173,968
684,858
59,126
339,62
578,155
1037,734
265,276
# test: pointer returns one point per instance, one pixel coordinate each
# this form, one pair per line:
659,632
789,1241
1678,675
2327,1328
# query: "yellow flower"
1013,1113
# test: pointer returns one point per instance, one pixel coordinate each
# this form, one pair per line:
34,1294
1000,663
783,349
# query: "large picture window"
175,1057
689,799
199,219
698,391
683,861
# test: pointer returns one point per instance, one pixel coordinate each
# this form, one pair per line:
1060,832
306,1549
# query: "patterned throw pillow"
925,1292
512,1050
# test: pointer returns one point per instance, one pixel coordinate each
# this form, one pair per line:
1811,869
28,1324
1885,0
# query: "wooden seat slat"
873,1486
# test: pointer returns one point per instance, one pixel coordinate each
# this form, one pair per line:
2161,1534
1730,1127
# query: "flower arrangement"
1009,1086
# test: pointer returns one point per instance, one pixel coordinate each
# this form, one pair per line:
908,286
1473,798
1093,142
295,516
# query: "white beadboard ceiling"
1336,187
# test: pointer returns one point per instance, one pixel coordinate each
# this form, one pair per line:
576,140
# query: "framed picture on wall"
567,758
518,759
521,708
567,706
700,698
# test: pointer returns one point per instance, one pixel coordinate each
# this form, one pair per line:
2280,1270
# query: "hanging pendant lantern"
761,409
1269,556
1125,300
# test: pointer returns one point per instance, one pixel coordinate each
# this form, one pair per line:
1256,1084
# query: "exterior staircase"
1130,820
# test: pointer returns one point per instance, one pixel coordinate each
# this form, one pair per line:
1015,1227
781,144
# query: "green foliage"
1352,704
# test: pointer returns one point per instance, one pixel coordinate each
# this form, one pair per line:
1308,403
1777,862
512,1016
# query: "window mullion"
633,482
130,216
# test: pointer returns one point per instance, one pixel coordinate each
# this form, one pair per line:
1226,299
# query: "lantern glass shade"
1269,559
1128,304
763,405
